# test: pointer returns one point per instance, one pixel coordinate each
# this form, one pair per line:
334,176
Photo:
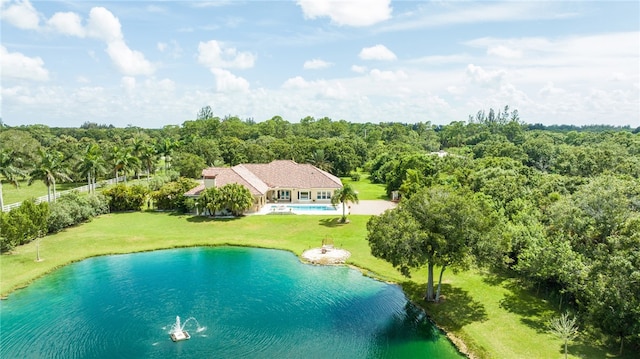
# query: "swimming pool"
302,208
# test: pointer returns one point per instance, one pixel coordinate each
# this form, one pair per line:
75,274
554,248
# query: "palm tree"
319,159
147,156
50,168
344,195
123,159
165,148
139,149
91,164
9,171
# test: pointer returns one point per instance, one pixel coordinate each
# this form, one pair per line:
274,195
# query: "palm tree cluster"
76,161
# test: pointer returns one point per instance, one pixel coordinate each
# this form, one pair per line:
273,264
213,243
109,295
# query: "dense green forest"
556,206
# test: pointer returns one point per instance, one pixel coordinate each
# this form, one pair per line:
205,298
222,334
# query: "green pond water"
246,303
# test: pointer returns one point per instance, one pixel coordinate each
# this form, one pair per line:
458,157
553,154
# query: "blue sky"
156,63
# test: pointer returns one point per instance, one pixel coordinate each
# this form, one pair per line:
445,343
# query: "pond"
246,302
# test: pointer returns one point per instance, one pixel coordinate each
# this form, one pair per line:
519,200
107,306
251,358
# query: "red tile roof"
289,174
195,191
260,177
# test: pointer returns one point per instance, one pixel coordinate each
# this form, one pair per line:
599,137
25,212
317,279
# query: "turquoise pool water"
304,207
254,303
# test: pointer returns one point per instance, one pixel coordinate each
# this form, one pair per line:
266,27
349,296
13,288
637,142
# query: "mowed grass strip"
366,190
490,314
11,194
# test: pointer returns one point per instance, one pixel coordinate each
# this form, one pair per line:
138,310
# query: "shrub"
126,198
171,195
73,208
355,176
23,224
157,182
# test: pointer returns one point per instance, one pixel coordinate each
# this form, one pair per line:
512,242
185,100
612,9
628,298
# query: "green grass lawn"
490,314
366,189
10,194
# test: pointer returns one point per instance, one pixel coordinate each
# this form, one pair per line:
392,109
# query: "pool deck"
371,207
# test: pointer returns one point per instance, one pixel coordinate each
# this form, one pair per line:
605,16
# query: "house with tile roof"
280,181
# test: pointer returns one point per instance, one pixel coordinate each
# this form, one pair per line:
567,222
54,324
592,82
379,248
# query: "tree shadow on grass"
533,312
455,310
331,222
204,219
587,350
495,277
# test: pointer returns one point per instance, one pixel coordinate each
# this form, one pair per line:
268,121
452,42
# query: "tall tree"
91,165
10,170
319,159
49,169
344,196
165,148
124,160
148,158
448,228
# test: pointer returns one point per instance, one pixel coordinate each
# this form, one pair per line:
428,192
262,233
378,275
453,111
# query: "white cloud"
504,52
316,64
295,83
228,82
379,75
483,77
550,90
452,13
103,25
336,91
172,48
128,83
441,59
215,54
129,62
359,69
377,52
18,66
456,90
165,85
21,14
350,12
67,23
314,89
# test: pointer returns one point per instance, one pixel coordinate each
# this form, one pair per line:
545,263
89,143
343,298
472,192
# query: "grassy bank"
491,315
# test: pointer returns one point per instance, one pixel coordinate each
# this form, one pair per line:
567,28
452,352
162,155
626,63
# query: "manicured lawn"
11,194
489,313
366,189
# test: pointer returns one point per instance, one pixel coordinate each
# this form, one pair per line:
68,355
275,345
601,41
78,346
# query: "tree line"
556,206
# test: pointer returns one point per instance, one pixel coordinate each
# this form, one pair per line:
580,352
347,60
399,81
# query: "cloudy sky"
156,63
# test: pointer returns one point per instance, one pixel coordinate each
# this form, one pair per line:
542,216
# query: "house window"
284,194
304,196
323,195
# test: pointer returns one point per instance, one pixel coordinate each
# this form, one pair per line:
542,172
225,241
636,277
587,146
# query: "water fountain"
178,332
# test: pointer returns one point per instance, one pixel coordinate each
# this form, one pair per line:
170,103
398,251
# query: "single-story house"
280,181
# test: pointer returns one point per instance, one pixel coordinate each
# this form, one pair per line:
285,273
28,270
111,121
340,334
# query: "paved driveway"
371,207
